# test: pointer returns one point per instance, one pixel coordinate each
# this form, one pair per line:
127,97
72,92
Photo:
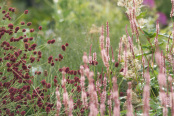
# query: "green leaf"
150,33
142,15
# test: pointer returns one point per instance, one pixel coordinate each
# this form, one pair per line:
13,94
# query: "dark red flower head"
63,47
26,12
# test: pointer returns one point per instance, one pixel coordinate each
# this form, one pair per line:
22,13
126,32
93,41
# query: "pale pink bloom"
120,47
172,10
115,96
71,106
102,109
105,58
158,57
90,57
58,105
133,22
94,56
93,110
162,79
113,59
173,27
85,58
125,61
65,97
129,99
84,98
146,95
157,32
102,39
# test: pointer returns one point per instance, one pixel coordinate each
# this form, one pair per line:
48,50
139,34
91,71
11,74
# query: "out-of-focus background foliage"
78,22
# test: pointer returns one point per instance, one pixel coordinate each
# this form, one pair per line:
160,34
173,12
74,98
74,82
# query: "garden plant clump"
138,80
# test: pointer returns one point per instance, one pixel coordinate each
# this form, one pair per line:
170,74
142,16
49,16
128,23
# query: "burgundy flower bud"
121,70
17,28
66,44
116,64
52,64
31,30
35,52
4,101
53,41
63,47
28,96
55,81
22,23
13,9
48,85
7,111
23,30
8,64
23,113
26,12
10,25
43,82
47,109
3,11
56,59
29,23
10,8
31,38
60,56
40,27
39,53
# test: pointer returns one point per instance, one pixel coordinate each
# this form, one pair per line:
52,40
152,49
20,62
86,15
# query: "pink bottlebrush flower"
146,94
102,109
162,79
133,22
115,96
157,32
93,110
105,58
125,61
94,56
71,106
120,47
58,105
65,100
90,57
84,98
113,59
129,99
102,39
172,10
85,58
107,41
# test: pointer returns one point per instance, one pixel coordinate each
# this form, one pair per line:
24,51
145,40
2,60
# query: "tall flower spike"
120,48
146,94
125,60
129,99
58,102
107,40
113,59
157,32
90,57
102,39
172,10
115,96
